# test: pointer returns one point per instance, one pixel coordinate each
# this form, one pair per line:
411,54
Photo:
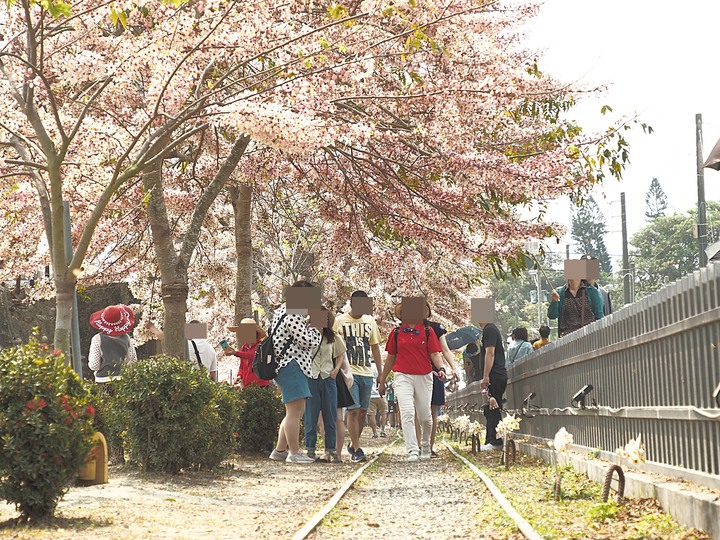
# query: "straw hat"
249,320
398,311
113,320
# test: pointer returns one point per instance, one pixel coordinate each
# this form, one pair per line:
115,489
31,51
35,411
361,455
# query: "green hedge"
45,428
172,417
261,411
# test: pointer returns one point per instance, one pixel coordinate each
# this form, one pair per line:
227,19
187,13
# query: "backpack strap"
197,355
287,343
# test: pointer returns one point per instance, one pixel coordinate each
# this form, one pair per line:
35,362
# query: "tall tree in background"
589,230
666,250
655,200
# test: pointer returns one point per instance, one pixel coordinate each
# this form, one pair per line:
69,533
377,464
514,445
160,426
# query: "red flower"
57,352
90,410
74,414
40,403
68,421
63,399
67,408
30,404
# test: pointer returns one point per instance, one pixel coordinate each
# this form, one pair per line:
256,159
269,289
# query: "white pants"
414,392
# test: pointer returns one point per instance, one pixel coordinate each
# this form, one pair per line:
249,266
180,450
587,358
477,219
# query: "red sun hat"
113,320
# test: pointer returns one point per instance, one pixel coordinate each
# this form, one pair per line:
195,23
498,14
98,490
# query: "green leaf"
118,17
56,9
337,11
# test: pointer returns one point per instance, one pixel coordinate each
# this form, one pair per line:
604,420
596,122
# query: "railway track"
433,489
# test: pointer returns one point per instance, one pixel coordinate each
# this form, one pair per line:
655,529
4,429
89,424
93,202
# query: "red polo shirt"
413,349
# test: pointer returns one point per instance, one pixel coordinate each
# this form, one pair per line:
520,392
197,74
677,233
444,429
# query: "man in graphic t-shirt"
362,339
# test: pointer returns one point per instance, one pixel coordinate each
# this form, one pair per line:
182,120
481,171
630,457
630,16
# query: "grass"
580,512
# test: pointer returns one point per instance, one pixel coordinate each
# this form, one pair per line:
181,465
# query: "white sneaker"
413,456
299,458
490,447
278,456
425,454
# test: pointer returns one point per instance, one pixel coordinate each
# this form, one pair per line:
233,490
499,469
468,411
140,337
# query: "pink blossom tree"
416,127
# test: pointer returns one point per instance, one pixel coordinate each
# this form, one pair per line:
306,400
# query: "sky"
659,61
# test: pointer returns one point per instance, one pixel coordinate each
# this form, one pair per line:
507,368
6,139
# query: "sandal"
325,458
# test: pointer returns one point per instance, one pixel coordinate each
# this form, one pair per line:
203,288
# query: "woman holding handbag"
323,387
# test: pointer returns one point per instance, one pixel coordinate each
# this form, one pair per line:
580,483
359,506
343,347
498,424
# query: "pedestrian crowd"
335,378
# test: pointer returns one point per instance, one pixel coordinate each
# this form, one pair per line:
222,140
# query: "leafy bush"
172,416
45,428
260,416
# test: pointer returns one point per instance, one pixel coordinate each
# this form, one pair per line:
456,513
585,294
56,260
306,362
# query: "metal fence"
654,367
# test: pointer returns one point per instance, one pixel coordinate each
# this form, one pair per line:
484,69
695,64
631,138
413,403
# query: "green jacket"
593,296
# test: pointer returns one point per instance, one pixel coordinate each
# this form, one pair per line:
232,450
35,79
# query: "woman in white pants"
412,350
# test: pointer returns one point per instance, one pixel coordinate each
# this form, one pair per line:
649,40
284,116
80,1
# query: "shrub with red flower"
43,406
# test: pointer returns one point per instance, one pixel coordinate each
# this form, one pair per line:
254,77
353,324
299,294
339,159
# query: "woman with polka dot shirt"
294,369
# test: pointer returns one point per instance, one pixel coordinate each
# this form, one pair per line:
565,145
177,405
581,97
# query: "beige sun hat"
249,320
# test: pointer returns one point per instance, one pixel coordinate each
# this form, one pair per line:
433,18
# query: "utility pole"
567,251
627,276
702,220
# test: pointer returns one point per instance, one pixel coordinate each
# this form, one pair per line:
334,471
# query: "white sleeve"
305,336
132,353
94,356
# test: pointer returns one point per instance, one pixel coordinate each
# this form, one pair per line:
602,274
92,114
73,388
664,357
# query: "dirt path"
261,499
257,499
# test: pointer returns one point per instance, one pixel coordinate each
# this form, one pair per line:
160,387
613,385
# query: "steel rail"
522,524
314,521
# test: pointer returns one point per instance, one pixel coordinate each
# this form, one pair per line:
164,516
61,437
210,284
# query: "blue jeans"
324,398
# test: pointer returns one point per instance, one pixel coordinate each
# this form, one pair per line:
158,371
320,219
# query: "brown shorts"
377,403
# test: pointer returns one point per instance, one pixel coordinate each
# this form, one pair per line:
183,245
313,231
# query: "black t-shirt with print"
492,337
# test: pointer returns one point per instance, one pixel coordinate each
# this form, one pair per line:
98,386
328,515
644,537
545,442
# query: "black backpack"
265,363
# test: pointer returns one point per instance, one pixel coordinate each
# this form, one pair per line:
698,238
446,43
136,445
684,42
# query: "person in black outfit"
495,380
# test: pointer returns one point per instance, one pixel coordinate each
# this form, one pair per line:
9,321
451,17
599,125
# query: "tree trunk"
174,263
241,197
64,279
173,273
174,297
64,290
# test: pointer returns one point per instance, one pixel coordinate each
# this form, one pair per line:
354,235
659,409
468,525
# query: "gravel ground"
256,498
431,499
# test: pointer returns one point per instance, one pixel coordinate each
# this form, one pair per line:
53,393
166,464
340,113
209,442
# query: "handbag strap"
197,355
515,350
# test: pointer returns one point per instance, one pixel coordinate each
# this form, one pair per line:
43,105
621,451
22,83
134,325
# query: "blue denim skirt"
293,383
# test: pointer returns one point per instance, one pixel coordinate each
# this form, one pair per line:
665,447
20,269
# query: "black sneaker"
350,450
358,456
